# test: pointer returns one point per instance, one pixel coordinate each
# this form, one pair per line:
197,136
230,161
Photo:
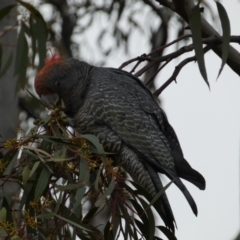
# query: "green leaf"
78,199
21,60
141,191
76,224
141,212
25,175
196,28
116,224
13,163
55,140
71,186
33,11
95,141
42,183
68,217
167,233
4,11
26,29
107,232
156,197
90,215
103,196
83,168
7,64
34,168
97,178
226,34
151,220
33,37
41,34
129,224
6,194
3,214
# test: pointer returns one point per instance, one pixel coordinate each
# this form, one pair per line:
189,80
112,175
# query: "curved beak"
50,100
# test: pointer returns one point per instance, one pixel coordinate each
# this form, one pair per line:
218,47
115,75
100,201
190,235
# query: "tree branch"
184,9
178,68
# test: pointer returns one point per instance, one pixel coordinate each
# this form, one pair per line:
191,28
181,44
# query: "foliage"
33,33
65,181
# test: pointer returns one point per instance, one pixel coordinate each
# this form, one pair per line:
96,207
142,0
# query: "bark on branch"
183,8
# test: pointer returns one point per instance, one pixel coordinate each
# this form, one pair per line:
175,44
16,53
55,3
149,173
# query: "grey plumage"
115,106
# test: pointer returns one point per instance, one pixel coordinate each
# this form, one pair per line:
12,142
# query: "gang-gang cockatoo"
120,110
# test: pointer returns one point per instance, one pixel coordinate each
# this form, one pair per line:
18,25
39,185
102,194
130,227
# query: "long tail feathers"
184,190
185,171
168,217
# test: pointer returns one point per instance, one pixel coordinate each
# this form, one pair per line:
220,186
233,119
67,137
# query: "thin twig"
177,70
169,44
154,75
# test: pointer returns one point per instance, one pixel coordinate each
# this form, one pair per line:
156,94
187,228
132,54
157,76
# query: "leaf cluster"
31,42
64,182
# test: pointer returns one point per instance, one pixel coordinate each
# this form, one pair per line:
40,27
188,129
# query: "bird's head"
62,83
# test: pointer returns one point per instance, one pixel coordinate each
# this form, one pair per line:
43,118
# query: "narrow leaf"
40,34
6,194
21,60
143,226
97,178
105,194
160,193
42,183
34,168
195,25
25,175
7,64
151,221
4,11
3,214
226,28
167,233
83,168
33,37
13,163
95,141
78,198
71,186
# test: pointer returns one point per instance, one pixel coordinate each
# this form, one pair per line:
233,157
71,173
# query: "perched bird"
120,110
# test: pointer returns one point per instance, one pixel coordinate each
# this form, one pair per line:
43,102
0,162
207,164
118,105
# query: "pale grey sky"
208,126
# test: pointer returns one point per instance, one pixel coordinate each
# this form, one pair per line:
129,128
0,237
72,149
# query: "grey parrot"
120,110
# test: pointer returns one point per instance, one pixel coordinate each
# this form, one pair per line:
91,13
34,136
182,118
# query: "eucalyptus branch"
178,68
184,9
211,41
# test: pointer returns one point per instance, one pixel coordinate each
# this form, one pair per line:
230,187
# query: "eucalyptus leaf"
4,11
21,60
42,183
6,65
25,175
107,192
226,28
195,25
167,233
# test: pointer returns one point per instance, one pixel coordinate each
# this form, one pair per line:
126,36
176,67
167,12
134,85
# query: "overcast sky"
208,126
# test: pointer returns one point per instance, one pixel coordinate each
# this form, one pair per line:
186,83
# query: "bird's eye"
57,83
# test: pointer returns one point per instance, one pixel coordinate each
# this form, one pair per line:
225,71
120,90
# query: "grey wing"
128,108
